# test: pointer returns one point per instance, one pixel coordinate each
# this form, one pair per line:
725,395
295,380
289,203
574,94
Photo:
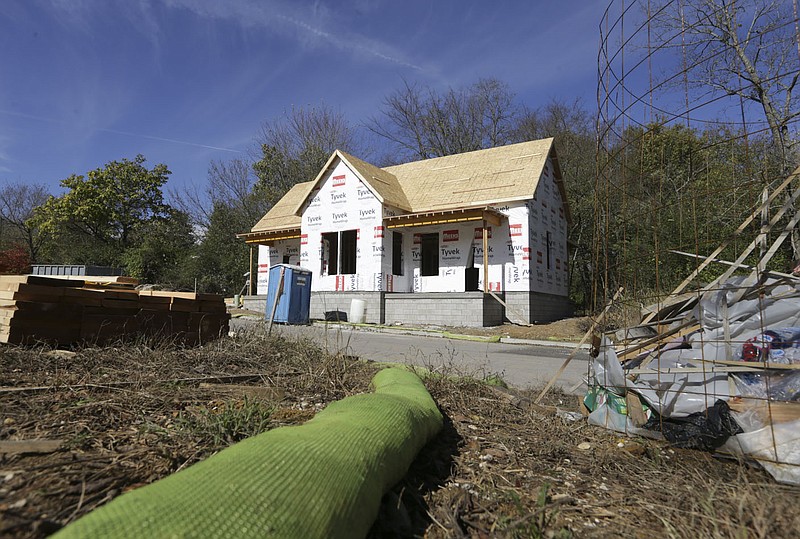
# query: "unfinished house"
468,239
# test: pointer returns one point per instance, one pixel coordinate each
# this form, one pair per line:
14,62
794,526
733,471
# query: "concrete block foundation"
470,309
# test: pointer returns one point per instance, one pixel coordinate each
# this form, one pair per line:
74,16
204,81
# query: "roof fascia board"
552,156
444,217
266,237
328,164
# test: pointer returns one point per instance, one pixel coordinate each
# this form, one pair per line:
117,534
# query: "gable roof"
282,215
382,184
389,190
462,181
491,176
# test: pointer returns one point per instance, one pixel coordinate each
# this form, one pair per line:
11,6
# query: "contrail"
162,139
117,132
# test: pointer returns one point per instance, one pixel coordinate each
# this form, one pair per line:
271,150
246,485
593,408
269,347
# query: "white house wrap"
409,232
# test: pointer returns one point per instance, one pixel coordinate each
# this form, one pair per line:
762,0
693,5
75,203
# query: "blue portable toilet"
294,298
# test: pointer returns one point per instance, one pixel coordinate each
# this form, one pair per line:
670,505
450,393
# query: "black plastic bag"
704,430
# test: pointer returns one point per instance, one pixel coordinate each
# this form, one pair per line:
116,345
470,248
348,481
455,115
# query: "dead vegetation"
118,418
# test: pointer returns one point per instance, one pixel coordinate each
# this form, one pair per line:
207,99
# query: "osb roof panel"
281,216
495,175
382,181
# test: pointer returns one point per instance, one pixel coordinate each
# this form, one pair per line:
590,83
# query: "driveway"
520,365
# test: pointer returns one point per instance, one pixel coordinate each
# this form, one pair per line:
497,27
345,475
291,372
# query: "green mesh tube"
321,479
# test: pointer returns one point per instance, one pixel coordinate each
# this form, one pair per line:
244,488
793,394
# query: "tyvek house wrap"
527,252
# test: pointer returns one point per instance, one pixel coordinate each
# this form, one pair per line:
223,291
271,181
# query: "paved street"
519,365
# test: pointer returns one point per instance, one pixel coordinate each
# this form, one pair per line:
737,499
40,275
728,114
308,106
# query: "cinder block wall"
255,303
473,309
537,308
324,302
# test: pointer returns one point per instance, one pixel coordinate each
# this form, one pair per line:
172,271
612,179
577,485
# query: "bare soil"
567,330
501,467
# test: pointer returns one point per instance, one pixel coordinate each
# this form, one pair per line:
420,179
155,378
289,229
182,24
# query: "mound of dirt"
567,330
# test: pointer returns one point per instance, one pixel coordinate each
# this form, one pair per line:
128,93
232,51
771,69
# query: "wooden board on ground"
260,392
19,447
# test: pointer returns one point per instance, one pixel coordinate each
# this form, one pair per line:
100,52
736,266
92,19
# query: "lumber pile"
60,311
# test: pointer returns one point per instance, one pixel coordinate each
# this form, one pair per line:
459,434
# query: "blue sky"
183,82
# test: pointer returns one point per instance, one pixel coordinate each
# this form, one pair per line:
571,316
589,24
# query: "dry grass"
500,468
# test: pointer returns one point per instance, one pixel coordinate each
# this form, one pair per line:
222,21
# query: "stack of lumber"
96,311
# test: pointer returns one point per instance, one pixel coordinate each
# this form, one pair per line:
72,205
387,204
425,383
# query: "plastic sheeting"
766,328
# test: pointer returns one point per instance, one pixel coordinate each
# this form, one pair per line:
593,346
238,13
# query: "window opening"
429,254
330,253
349,252
397,253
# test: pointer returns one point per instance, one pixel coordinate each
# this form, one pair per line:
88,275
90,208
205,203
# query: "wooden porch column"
250,278
485,258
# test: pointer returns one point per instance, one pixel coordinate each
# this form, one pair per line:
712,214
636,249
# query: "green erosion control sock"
321,479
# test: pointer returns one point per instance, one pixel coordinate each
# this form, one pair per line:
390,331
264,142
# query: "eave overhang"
440,217
267,237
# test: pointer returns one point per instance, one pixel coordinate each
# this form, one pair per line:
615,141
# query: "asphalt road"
520,365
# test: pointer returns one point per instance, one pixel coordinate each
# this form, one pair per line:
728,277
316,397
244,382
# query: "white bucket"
358,309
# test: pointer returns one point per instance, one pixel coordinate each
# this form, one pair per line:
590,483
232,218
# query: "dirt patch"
567,330
501,467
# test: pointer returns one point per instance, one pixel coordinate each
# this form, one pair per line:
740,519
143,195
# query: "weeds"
227,422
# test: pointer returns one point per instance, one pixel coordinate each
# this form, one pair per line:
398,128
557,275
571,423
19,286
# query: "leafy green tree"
224,258
676,189
161,251
102,213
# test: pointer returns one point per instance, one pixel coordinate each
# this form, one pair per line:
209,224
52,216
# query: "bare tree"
293,148
423,123
17,202
230,183
743,48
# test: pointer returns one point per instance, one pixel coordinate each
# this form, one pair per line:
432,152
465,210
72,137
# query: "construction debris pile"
62,312
717,370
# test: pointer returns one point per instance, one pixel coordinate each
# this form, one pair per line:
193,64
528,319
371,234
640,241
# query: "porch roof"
438,217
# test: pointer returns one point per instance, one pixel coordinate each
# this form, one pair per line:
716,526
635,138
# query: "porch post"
485,258
250,278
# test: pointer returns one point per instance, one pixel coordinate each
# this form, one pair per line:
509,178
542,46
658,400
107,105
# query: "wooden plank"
757,365
32,291
21,447
787,205
103,279
767,411
635,412
43,325
213,307
690,370
38,280
757,274
261,392
112,303
518,322
675,333
572,354
682,286
184,305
